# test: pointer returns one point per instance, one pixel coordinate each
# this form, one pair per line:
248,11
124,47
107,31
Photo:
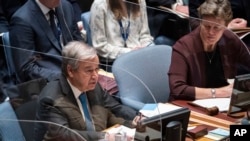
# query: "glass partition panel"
135,53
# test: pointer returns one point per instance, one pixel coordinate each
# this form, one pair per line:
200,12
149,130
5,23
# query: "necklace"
210,56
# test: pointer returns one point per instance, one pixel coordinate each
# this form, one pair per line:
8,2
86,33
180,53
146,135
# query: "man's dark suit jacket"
58,105
36,50
156,17
165,23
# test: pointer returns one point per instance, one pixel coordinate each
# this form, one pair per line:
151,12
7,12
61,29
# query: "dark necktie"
54,24
88,121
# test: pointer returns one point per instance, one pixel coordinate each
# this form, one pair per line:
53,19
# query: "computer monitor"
173,125
240,98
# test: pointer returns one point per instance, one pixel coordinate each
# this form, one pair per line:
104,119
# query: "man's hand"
237,23
182,9
136,121
80,25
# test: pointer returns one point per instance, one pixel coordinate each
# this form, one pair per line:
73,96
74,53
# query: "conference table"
199,116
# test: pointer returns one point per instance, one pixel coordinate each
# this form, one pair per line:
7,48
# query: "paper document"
121,129
154,109
218,134
220,131
242,32
221,103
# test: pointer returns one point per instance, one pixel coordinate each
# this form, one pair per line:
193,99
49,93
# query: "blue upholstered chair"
142,75
23,97
9,126
85,17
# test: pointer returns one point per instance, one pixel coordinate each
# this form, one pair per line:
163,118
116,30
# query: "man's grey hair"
74,52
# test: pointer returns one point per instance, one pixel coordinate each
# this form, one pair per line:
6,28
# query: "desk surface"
197,115
200,118
194,109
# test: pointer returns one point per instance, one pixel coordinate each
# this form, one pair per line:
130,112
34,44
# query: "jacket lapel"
67,90
44,24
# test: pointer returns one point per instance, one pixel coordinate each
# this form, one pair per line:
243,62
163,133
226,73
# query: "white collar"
75,90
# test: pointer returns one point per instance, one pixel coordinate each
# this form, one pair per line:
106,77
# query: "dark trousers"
106,64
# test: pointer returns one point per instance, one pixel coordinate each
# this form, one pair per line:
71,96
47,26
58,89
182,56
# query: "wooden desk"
196,110
210,120
198,116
